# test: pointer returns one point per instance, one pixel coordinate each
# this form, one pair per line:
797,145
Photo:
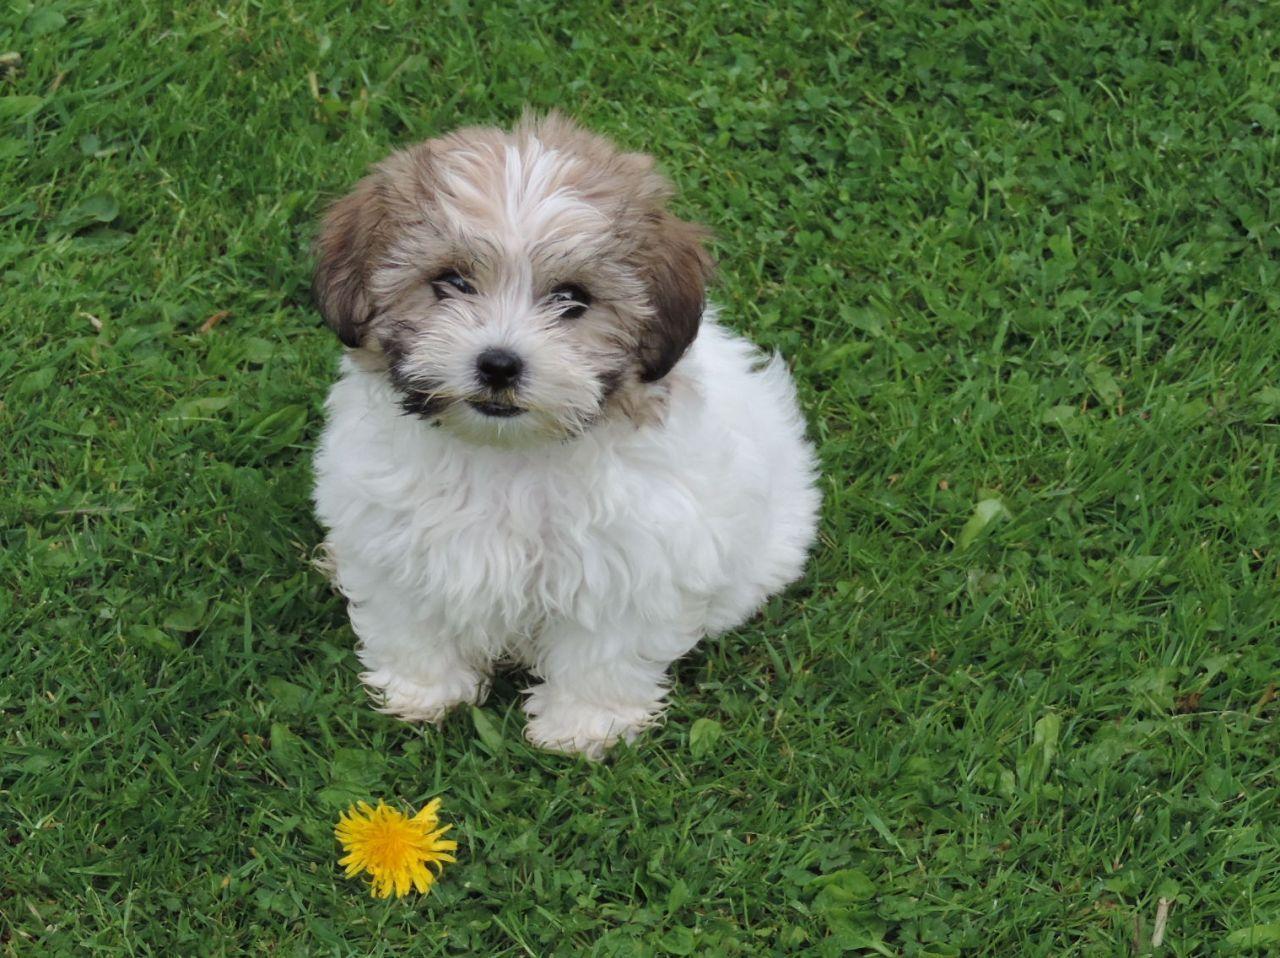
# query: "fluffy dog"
542,447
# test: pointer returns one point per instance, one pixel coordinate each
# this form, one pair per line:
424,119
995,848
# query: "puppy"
542,447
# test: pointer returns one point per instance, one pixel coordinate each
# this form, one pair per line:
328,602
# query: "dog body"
533,453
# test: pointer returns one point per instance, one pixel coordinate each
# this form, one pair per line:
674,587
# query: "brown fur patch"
343,252
676,268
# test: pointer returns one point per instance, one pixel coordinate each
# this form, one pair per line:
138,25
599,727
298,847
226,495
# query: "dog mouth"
498,410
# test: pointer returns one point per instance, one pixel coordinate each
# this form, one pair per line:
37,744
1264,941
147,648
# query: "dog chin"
483,423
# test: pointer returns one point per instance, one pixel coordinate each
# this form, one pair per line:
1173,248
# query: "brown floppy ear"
676,268
343,250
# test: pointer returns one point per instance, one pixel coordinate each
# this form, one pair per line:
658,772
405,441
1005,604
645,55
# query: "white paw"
563,723
424,702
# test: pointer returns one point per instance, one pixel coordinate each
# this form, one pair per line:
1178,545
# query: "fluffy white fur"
593,546
595,562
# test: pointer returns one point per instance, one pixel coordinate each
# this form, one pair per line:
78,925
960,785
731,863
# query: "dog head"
518,285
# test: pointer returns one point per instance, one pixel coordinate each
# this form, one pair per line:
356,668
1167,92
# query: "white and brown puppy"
542,447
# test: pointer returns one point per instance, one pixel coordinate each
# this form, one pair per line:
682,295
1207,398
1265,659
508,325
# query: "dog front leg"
417,665
600,685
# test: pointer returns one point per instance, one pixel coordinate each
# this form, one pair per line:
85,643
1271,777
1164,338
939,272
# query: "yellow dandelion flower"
393,848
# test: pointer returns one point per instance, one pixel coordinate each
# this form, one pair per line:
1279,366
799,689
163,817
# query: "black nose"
498,368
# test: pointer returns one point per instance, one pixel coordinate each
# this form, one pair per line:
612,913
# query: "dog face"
517,286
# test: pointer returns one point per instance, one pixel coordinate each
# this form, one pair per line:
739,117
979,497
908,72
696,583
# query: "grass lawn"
1024,262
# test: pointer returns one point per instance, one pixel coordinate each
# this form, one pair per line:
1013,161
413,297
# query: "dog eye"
572,300
450,282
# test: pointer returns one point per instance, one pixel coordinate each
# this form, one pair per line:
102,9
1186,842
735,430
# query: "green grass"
1018,254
